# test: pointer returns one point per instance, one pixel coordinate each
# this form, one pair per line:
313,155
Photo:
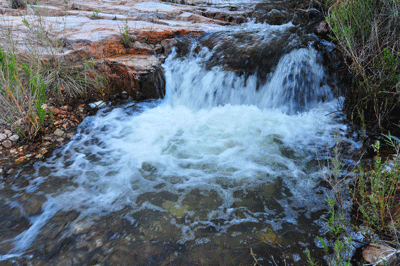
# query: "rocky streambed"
209,156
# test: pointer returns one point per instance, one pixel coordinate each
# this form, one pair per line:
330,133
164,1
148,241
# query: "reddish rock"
154,37
58,132
376,252
21,159
43,151
140,76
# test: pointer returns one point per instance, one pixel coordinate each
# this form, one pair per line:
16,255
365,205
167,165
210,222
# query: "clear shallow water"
223,164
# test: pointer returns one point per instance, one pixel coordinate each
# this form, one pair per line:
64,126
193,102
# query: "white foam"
213,132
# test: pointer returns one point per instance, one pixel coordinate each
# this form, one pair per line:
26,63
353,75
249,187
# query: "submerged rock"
176,209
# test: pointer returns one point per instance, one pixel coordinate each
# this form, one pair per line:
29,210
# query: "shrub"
18,4
125,35
368,33
376,190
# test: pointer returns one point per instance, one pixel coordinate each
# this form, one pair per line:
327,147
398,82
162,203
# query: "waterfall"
224,149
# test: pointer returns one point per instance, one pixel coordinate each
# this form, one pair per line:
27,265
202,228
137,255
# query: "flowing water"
222,171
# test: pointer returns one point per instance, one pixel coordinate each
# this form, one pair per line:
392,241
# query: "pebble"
13,151
58,132
14,138
8,133
3,137
97,105
81,108
7,144
20,159
43,151
47,143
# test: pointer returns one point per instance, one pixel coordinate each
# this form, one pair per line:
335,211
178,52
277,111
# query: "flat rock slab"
75,32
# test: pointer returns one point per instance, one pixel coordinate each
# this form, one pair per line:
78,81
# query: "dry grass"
368,33
36,71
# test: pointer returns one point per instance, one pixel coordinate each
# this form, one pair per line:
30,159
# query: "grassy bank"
33,74
367,32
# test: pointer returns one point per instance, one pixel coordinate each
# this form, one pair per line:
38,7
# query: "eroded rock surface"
73,32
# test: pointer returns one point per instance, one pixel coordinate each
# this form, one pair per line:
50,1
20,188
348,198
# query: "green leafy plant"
95,14
336,242
376,189
125,35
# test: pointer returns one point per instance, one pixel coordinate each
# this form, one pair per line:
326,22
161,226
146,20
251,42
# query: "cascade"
224,163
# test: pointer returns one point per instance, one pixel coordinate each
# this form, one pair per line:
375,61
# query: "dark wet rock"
249,53
275,17
85,224
309,19
32,203
12,222
152,86
156,198
259,197
226,16
96,258
202,202
44,171
55,235
123,256
168,44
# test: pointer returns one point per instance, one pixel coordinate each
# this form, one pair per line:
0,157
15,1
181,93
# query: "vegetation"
125,35
18,4
95,14
368,34
28,79
21,104
375,191
337,242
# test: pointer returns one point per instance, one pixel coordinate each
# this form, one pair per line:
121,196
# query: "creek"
222,171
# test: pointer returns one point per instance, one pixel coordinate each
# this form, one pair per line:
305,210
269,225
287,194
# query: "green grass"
21,103
375,191
126,39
